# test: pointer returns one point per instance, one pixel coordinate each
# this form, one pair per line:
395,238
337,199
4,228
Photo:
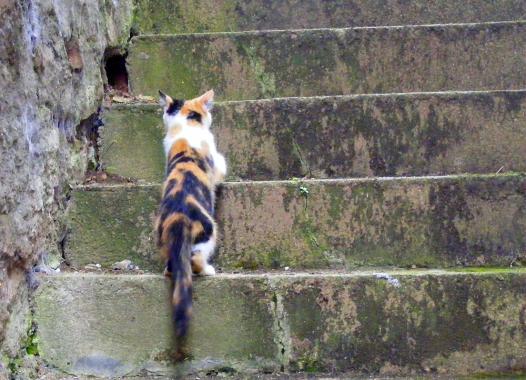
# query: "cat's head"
181,113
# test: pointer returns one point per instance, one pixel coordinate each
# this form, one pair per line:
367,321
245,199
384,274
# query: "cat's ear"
208,100
164,100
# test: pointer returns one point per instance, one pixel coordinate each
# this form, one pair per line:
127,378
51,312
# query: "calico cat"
186,230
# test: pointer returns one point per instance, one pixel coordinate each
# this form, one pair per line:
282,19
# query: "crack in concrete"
280,326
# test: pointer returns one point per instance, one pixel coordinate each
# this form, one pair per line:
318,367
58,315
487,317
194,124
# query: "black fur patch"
194,116
175,106
180,157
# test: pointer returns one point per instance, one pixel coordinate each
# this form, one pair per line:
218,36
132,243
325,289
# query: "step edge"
327,181
417,94
378,274
163,36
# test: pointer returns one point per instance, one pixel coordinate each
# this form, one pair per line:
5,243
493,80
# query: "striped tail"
180,266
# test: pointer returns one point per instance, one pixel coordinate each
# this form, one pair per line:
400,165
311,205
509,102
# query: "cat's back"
189,179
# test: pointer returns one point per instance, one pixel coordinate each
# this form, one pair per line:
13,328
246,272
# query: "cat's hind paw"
167,273
208,271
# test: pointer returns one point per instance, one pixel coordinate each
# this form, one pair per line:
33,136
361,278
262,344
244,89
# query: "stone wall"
51,82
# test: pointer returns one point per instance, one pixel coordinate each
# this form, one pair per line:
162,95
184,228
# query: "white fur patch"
208,270
219,163
198,138
206,249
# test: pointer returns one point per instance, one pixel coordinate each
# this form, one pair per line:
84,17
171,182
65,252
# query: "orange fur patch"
197,229
194,105
178,177
179,146
198,263
176,299
185,283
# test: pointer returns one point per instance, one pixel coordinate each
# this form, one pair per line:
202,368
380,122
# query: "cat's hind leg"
204,238
201,252
166,272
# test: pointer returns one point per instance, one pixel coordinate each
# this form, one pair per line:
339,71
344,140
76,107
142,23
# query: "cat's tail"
179,263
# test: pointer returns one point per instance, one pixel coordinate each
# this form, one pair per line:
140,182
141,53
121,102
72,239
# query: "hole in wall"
116,72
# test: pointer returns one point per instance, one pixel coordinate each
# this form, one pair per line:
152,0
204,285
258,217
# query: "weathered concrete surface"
51,82
131,142
113,325
400,323
456,324
349,136
176,16
434,221
254,65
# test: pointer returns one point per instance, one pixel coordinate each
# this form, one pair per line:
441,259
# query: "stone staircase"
400,254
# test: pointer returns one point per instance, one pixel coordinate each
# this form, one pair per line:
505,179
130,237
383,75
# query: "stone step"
346,136
422,221
157,16
266,64
397,323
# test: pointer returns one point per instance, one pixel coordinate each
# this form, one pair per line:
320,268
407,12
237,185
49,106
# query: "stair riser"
450,323
112,326
157,16
423,222
331,62
337,137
